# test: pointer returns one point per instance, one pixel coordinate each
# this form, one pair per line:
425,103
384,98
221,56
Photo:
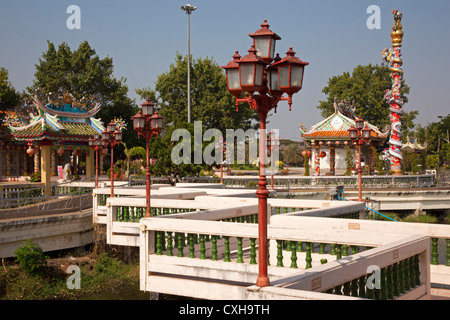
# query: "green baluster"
285,210
434,251
362,286
191,246
417,269
126,214
293,254
118,218
321,248
406,275
323,261
252,251
279,253
337,290
308,255
344,250
448,253
354,287
401,281
395,280
338,252
226,251
202,247
369,292
333,249
240,258
299,246
169,244
278,210
412,272
389,284
382,291
180,241
214,248
133,216
158,243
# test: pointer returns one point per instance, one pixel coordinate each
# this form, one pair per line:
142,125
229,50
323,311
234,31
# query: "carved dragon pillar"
393,57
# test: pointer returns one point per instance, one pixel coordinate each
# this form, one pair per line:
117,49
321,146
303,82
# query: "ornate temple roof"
413,145
336,126
62,120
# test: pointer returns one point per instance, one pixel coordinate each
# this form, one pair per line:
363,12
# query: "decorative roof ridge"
32,123
59,113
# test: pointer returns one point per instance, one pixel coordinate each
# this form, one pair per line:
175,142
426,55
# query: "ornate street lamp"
110,137
255,70
147,123
359,134
97,143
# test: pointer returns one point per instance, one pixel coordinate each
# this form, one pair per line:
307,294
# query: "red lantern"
306,154
232,72
322,154
30,151
76,152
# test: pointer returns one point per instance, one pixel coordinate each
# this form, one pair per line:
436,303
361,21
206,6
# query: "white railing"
205,271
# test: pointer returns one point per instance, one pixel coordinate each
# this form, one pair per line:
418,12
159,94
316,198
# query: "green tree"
84,74
9,97
366,86
30,257
292,154
349,161
211,103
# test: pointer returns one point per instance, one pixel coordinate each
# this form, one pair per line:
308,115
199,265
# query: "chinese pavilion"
55,133
329,138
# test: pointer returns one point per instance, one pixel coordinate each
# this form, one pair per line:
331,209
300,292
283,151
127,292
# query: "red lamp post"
359,134
147,123
253,71
112,136
97,143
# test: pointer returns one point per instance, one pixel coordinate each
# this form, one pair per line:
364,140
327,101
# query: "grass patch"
99,273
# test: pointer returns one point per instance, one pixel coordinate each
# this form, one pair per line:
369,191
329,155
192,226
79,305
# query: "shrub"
30,257
35,177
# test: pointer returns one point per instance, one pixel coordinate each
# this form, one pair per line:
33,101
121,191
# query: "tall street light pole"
189,9
260,71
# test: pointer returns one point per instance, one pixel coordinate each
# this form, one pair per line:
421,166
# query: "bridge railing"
439,235
220,262
20,196
288,183
124,213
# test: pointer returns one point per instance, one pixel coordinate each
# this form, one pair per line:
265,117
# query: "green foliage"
292,154
366,86
9,97
306,166
107,265
349,161
30,257
211,103
432,161
35,176
84,74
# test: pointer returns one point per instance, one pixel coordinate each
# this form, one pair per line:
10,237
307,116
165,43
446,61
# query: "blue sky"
142,37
